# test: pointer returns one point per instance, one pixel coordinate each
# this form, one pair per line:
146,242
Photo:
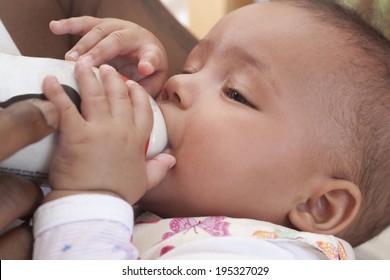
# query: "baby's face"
241,120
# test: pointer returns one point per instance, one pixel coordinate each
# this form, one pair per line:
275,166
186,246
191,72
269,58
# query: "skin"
136,56
27,22
245,124
21,124
227,150
102,149
18,126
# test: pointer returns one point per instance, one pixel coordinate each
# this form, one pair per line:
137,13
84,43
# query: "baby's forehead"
271,12
278,34
296,52
273,20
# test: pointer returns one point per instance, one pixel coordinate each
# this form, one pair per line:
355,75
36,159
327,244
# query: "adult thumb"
158,167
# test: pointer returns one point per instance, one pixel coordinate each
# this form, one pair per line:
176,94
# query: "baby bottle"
21,78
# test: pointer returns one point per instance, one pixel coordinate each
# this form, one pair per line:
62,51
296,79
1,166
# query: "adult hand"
21,124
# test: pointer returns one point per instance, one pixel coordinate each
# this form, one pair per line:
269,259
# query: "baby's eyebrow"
250,59
238,52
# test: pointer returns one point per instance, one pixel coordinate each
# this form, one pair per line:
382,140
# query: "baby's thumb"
158,167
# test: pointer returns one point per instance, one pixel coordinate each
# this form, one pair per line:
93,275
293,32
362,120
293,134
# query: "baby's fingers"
94,104
158,167
70,116
117,94
89,26
75,25
142,111
150,59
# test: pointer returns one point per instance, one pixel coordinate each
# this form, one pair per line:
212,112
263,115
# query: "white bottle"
21,77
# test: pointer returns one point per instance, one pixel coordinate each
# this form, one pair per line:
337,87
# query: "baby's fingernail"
169,160
131,82
54,22
51,80
86,60
73,55
146,68
173,163
106,67
49,112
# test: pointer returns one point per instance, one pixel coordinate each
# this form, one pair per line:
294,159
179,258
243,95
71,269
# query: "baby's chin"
154,202
156,209
160,199
162,205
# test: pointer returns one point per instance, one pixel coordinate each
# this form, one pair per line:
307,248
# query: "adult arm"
20,124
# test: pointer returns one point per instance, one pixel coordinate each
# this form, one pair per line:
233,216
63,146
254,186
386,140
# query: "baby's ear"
329,209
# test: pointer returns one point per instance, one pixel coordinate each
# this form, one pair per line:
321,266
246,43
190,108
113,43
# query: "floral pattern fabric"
155,237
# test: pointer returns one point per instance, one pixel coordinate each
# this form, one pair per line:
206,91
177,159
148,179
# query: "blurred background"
200,15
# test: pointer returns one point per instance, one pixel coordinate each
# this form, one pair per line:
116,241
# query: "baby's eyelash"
188,70
236,96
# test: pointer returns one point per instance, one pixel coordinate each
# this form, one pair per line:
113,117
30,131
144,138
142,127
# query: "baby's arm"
90,226
100,151
134,51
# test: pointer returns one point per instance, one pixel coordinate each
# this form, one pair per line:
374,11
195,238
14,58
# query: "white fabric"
79,208
84,227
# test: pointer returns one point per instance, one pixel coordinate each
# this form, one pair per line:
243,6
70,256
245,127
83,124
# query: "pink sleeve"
90,226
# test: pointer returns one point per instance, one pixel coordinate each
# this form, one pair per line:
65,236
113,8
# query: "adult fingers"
17,244
24,123
18,198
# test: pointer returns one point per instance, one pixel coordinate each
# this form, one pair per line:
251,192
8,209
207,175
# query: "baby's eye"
236,96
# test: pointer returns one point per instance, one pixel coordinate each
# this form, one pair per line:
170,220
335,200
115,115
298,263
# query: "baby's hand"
135,52
102,149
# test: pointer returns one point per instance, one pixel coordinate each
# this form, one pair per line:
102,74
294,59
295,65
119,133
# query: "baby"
279,141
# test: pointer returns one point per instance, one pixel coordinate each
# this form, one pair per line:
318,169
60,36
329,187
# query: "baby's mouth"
168,149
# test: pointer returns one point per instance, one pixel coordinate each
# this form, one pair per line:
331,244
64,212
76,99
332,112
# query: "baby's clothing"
101,227
155,237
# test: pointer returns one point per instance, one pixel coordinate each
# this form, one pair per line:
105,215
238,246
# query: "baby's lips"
168,149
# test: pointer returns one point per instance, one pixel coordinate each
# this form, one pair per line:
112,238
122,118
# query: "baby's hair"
368,126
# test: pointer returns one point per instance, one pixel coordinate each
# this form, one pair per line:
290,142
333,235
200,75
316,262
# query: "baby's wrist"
57,194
